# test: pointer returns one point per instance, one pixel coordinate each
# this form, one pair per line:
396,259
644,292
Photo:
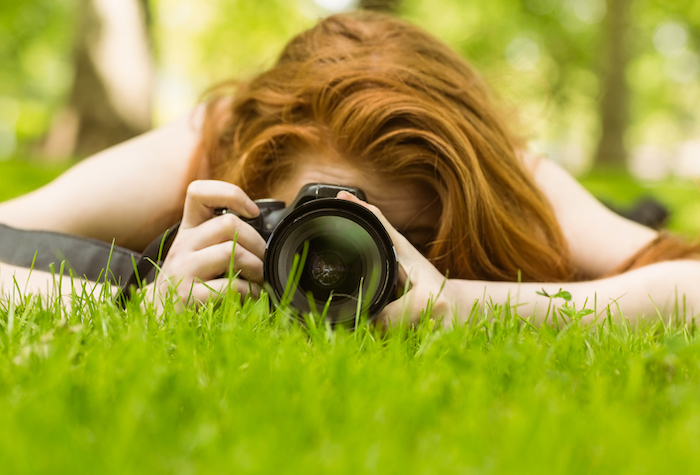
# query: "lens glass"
343,263
327,268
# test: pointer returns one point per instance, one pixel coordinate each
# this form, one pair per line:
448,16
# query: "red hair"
376,90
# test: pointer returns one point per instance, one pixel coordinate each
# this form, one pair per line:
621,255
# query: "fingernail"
252,208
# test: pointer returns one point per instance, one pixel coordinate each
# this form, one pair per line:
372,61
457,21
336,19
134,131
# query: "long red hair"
379,91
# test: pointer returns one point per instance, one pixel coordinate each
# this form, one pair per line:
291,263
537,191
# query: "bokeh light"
683,68
589,11
522,54
542,58
336,5
670,39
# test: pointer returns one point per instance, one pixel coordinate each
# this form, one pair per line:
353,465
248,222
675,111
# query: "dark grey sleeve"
83,256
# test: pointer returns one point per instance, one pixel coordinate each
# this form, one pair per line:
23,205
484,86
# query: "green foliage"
203,43
239,389
663,110
34,37
35,45
20,177
542,56
556,95
681,196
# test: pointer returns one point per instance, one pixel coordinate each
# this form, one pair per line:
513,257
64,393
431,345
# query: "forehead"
403,202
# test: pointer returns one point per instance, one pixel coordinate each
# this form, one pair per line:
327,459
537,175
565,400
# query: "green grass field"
237,389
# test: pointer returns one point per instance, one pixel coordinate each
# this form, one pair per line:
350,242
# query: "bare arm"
599,239
18,283
647,292
130,192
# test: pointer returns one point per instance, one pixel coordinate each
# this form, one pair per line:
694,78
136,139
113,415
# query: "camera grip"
271,212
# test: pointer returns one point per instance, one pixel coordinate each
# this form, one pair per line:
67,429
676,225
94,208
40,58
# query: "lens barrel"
350,262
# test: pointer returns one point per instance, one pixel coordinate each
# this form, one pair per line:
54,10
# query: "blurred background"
608,88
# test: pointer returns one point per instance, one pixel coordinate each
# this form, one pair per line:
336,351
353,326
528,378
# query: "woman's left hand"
427,288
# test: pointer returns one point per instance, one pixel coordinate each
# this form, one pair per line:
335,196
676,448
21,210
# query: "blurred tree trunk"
388,6
614,104
110,100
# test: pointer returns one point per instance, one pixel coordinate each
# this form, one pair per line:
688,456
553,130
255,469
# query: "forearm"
646,292
17,283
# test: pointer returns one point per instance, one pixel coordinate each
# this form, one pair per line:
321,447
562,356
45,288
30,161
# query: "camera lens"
350,262
327,268
336,262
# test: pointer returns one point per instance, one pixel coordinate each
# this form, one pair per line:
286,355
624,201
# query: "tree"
110,99
389,6
614,103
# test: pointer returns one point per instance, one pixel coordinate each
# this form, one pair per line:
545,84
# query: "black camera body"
347,265
272,212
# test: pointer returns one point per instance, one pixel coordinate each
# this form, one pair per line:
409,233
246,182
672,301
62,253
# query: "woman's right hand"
201,251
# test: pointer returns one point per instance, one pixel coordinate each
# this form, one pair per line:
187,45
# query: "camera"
346,264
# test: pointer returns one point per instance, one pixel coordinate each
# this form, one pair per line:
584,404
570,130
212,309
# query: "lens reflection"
334,267
327,268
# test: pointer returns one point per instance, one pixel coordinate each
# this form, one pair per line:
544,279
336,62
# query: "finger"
213,261
218,259
226,228
203,196
214,290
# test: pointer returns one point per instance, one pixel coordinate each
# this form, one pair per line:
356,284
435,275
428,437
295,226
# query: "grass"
237,388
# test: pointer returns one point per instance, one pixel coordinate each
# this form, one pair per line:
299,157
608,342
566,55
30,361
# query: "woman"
370,101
